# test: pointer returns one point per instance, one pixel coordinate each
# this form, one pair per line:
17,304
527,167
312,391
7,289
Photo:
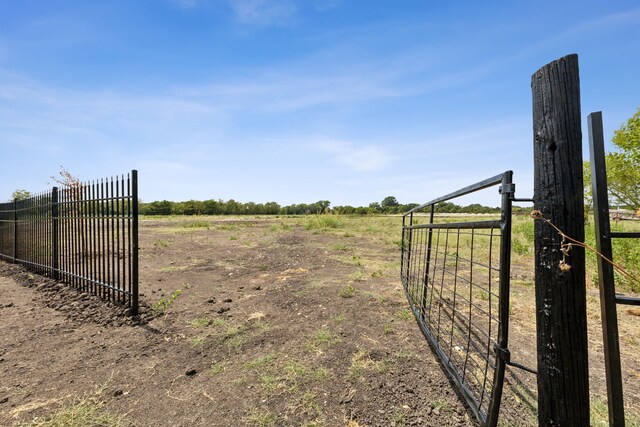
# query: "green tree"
21,194
389,201
623,167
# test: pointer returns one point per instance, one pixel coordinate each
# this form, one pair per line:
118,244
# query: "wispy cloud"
326,4
263,12
186,4
357,157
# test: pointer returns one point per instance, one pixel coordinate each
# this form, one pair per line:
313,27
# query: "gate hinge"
507,189
502,353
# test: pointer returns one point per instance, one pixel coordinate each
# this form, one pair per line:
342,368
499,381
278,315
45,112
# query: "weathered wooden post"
563,372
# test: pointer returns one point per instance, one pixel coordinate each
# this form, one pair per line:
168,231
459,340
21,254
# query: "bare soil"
274,325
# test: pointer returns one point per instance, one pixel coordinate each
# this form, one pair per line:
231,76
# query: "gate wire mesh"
456,278
85,235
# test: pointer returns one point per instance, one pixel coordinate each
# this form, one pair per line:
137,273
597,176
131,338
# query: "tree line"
232,207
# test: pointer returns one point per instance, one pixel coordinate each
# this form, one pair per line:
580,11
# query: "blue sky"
296,100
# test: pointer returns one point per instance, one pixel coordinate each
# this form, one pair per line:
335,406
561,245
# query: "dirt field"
256,321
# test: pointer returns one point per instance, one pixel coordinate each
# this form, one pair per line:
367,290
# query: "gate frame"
502,354
606,279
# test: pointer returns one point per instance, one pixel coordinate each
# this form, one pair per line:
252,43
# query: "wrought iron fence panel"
85,234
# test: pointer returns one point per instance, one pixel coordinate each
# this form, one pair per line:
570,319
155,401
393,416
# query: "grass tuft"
347,292
162,305
320,222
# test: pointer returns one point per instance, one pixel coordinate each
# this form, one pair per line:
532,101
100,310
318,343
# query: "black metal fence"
606,278
456,278
85,234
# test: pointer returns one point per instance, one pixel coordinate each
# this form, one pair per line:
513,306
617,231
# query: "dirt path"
272,325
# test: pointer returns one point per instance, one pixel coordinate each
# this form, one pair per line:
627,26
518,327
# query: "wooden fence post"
563,371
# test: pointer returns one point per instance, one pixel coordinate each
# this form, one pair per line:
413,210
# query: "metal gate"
608,297
456,278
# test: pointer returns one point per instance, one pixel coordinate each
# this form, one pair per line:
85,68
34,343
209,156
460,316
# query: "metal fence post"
615,397
54,233
561,318
134,238
15,229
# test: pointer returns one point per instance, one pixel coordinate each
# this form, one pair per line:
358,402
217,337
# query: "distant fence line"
85,235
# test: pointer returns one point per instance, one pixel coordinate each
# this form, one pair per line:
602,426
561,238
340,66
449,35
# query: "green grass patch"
163,304
262,418
341,247
86,412
196,224
161,243
347,292
404,314
324,338
320,222
262,362
216,368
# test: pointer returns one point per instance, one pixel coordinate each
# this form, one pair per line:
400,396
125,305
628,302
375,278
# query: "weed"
228,227
233,237
481,294
262,361
399,418
262,418
320,222
320,374
380,298
519,247
308,405
325,338
234,336
162,305
196,341
218,322
86,412
295,369
340,247
338,318
279,227
361,362
404,314
442,405
377,273
270,381
387,328
358,275
402,354
196,224
161,243
216,368
347,291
